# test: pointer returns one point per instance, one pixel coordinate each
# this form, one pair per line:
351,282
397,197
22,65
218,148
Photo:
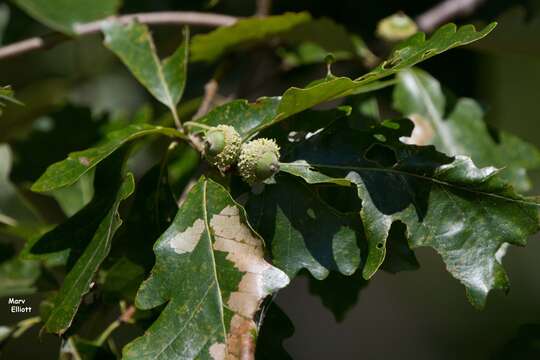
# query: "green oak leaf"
302,231
134,45
465,213
211,272
68,171
245,117
462,131
68,15
209,47
251,118
88,234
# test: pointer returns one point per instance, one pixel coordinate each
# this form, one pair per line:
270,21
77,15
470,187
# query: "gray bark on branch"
156,18
445,12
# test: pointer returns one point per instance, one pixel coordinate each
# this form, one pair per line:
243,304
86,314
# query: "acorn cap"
222,146
259,160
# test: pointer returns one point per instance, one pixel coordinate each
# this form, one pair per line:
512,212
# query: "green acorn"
222,146
259,160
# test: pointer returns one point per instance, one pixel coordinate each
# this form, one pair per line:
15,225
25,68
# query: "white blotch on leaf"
186,241
218,351
245,251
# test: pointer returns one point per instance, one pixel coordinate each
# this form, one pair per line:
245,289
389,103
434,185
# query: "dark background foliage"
421,314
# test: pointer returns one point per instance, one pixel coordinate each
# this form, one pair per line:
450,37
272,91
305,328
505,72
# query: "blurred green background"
421,314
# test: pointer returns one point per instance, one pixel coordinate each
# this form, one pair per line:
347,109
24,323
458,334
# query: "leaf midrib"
426,178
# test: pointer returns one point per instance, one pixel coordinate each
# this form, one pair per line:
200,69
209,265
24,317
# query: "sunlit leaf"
465,213
134,45
211,273
269,111
67,172
462,131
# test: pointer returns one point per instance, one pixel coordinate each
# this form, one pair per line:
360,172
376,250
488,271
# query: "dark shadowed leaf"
67,15
276,327
134,45
246,118
211,272
465,213
152,211
67,172
463,131
398,257
302,231
339,293
209,47
88,236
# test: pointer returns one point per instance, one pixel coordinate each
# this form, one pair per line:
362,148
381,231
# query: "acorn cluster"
257,160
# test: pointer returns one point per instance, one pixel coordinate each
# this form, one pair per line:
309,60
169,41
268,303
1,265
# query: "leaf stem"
196,124
176,118
445,12
107,332
155,18
125,317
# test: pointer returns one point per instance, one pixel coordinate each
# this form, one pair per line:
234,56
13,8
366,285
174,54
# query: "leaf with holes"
251,118
462,131
211,272
465,213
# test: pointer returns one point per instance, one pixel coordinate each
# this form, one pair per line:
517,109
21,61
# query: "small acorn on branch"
259,160
222,145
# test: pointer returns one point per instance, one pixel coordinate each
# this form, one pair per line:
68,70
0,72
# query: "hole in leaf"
381,154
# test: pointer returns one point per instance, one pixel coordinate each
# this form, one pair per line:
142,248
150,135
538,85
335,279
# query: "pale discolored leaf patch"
186,241
211,271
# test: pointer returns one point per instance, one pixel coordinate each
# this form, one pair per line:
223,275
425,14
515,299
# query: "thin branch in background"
264,8
445,12
210,91
156,18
